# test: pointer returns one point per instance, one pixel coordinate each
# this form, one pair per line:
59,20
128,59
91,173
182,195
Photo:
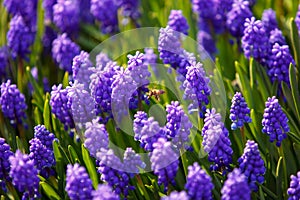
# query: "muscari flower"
66,16
101,60
24,175
19,37
130,8
60,107
111,170
196,88
206,41
216,141
106,11
239,111
255,40
104,192
269,20
12,103
96,137
275,122
81,104
205,9
276,37
151,59
197,178
178,125
164,162
63,52
279,63
82,69
44,136
132,161
178,22
3,61
48,37
236,187
48,9
5,153
252,165
78,184
294,189
236,17
147,130
176,196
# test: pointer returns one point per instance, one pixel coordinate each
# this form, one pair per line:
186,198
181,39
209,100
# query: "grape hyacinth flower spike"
5,153
63,52
255,40
12,103
24,175
275,122
197,178
176,196
252,165
239,111
60,106
178,22
104,192
236,187
269,20
196,88
216,142
294,189
78,184
297,19
164,162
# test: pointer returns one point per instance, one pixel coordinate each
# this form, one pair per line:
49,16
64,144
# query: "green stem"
285,180
184,161
13,191
141,184
242,129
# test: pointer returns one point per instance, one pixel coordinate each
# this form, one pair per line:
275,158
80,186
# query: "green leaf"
73,154
261,194
279,176
295,90
90,166
295,42
60,169
47,114
65,81
49,191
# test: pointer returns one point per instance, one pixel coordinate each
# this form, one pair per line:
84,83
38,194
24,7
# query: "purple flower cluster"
178,22
60,106
63,52
294,189
269,20
12,103
3,61
19,37
178,125
252,165
78,184
81,104
66,16
206,41
275,122
216,141
147,130
197,178
255,40
96,137
101,60
276,37
236,17
48,8
236,187
104,192
132,161
5,153
297,19
106,11
239,111
150,59
279,63
82,69
41,133
164,162
205,9
197,88
176,196
111,170
24,175
130,8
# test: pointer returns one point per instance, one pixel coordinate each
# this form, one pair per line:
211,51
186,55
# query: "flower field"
150,99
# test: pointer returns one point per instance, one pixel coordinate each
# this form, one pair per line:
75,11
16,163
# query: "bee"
155,93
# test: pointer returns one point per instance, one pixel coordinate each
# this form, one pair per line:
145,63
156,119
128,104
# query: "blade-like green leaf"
295,90
49,191
90,166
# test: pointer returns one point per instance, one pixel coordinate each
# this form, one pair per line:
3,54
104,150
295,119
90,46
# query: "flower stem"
141,184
